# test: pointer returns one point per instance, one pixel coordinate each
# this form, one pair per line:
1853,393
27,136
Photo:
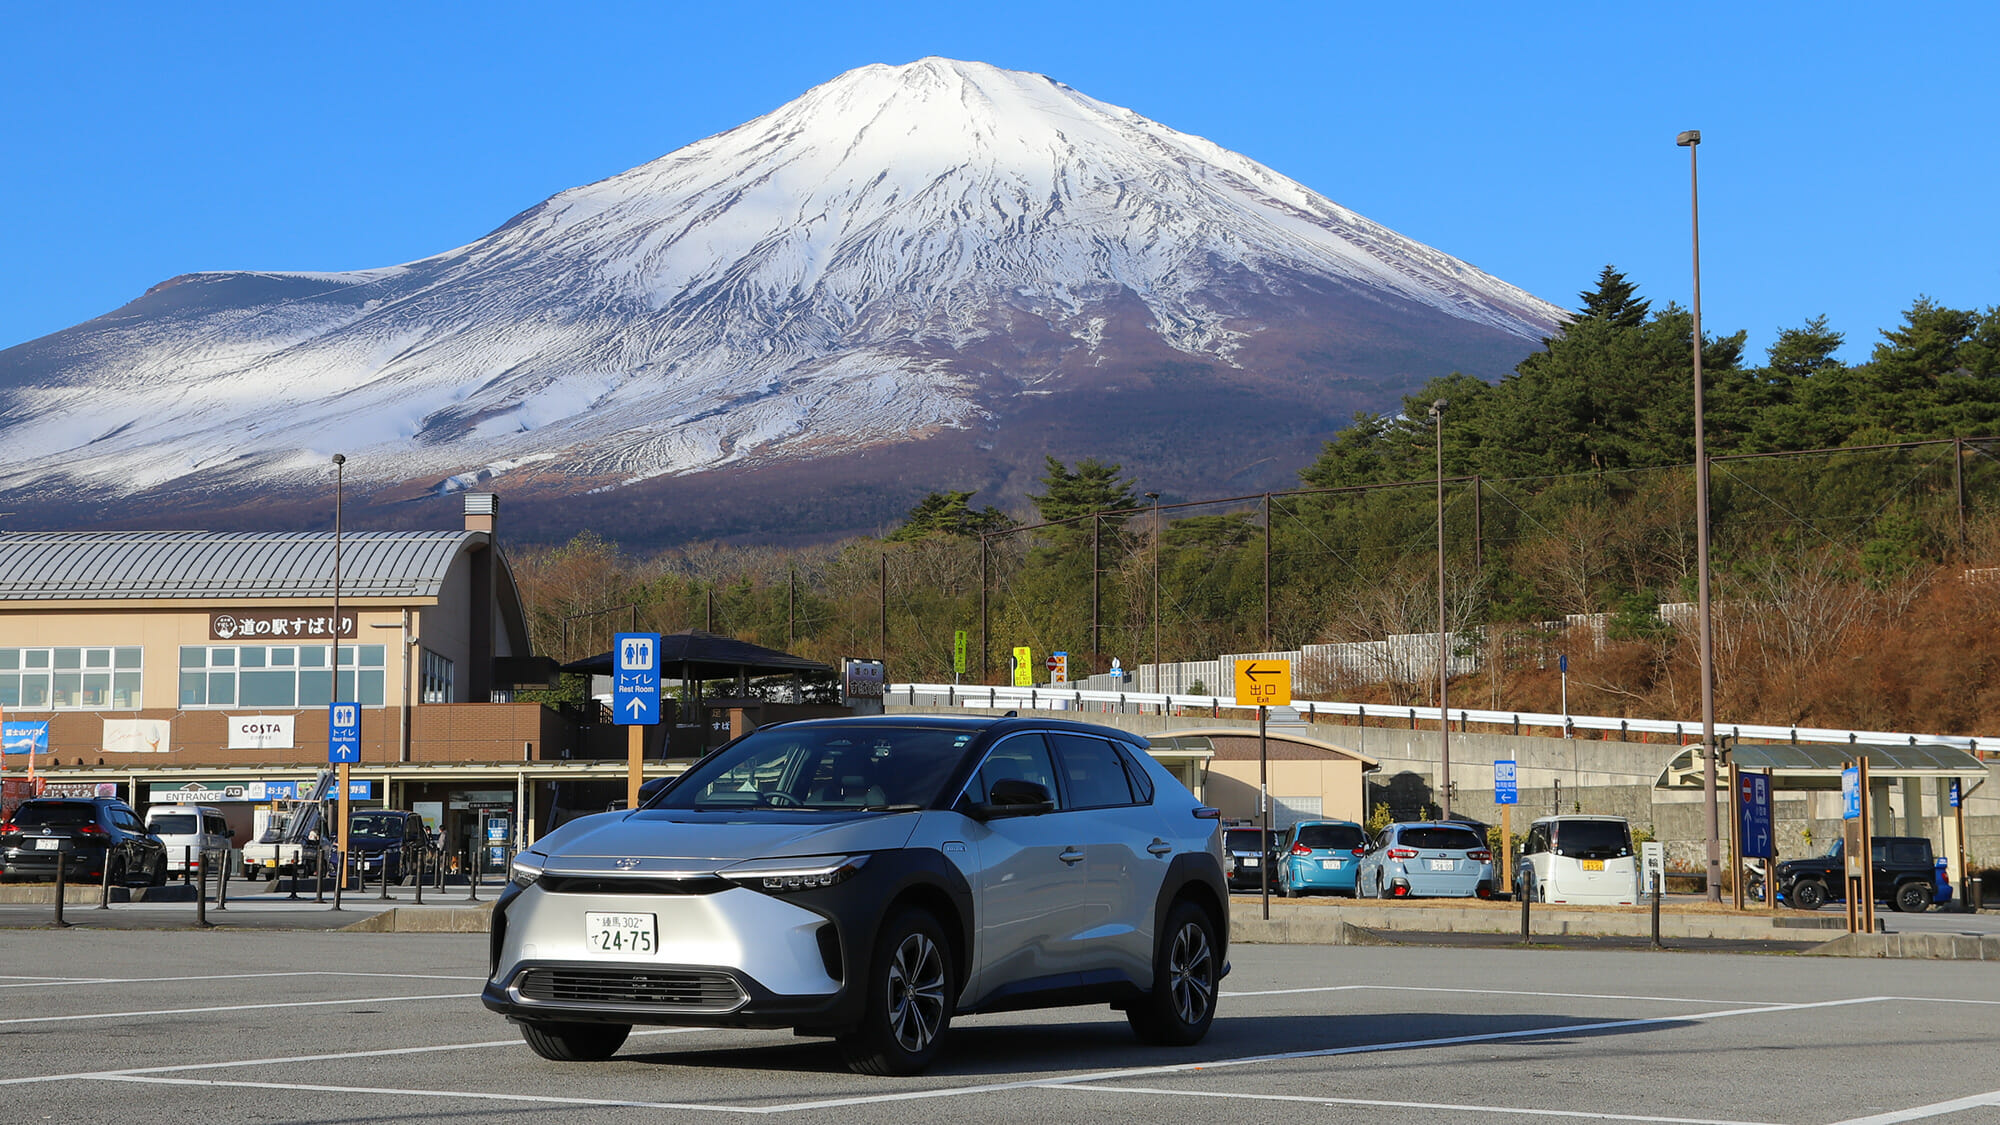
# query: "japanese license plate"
48,844
1250,861
619,933
1593,865
1444,865
1330,864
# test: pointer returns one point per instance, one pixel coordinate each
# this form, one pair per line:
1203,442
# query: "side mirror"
229,833
1014,797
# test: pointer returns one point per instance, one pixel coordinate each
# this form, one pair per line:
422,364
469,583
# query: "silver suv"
869,879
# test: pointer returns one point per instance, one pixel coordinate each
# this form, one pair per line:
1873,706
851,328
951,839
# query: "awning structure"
697,655
1818,765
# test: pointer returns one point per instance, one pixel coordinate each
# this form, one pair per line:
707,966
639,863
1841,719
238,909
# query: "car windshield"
174,824
375,824
1330,835
830,767
1593,839
1451,839
1243,839
54,816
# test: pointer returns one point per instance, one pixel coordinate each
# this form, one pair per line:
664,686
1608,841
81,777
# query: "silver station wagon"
870,879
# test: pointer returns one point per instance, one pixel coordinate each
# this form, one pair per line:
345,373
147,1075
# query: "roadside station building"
196,666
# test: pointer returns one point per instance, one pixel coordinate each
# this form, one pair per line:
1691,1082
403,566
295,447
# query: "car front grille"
632,885
682,990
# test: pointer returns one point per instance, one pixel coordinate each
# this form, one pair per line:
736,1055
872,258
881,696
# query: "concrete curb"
1301,929
426,920
1554,921
1923,947
90,894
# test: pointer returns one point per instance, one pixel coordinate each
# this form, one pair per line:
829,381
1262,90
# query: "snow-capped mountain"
983,262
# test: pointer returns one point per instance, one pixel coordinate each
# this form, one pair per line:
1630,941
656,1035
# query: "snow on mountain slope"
892,255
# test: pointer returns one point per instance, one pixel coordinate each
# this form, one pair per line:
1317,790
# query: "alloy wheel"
916,992
1190,974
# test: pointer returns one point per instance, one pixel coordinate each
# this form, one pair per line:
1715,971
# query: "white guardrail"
1056,698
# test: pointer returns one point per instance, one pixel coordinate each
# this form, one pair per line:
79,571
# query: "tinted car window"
1095,776
175,824
824,768
1330,835
55,816
1592,839
1907,854
1024,757
1242,840
1457,839
124,819
1142,782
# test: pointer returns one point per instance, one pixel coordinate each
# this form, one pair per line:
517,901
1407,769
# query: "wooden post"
339,832
635,763
1507,846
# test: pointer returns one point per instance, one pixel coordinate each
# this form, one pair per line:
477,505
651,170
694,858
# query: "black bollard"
385,874
419,883
201,893
1656,915
222,882
187,863
1527,894
471,874
339,874
61,857
319,871
104,898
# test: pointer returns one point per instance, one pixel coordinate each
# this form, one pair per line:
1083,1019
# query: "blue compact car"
1427,859
1317,856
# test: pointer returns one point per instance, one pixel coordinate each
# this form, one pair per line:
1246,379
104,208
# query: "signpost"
1750,831
343,748
1506,795
1024,666
1857,848
635,700
1264,684
958,641
1059,667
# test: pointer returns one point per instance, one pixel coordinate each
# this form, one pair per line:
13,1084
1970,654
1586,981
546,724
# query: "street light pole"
340,814
1155,498
1444,648
1690,140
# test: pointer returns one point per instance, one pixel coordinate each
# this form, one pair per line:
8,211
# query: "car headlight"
527,868
779,876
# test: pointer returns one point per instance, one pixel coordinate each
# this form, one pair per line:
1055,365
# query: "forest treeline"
1854,522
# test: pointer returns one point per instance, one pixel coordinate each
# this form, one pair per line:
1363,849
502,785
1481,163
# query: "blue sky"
1848,162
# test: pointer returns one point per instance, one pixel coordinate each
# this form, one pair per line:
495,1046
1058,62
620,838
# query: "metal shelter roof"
709,656
1822,762
56,566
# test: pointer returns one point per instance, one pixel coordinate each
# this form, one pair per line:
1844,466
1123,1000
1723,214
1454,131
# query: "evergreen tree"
950,514
1613,301
1093,487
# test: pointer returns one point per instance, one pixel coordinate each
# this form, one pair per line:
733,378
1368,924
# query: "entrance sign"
343,733
1753,809
1263,683
1504,790
635,680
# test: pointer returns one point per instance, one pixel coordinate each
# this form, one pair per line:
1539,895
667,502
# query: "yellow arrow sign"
1263,683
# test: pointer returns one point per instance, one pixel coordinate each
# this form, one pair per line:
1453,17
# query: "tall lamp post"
1444,647
340,815
1690,140
1155,498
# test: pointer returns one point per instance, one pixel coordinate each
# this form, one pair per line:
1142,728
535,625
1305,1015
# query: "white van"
1579,859
188,830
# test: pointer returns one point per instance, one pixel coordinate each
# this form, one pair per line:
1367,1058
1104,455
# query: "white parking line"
1503,992
1936,1109
542,1099
236,1008
71,982
1585,1115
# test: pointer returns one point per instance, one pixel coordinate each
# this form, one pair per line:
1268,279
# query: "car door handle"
1159,846
1070,856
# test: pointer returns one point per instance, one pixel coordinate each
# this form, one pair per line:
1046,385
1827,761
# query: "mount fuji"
911,277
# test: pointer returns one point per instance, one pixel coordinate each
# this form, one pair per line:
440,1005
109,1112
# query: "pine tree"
1612,302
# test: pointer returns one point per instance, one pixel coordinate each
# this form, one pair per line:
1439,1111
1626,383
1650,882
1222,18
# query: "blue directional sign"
635,679
1753,814
343,733
1504,791
1954,793
1850,794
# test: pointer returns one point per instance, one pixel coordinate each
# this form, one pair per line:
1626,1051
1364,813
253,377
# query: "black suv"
1247,853
91,832
394,837
1905,875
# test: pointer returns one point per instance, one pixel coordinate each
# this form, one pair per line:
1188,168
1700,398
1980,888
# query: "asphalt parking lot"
175,1026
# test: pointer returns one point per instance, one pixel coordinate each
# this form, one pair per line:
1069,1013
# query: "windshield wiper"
892,808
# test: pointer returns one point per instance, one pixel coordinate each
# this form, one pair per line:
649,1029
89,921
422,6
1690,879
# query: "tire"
159,876
118,876
1807,894
1913,897
575,1042
1186,969
910,998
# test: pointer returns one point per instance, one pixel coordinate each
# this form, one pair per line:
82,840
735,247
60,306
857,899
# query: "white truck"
289,844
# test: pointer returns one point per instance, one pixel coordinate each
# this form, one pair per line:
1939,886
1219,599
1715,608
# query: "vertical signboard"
635,681
1024,666
1753,810
1504,789
958,643
343,733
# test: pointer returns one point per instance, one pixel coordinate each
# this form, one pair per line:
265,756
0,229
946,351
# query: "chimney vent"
482,511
